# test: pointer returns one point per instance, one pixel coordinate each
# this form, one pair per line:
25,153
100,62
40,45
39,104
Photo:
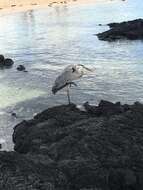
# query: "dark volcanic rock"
105,108
20,68
8,62
27,172
46,127
101,148
131,30
1,60
65,148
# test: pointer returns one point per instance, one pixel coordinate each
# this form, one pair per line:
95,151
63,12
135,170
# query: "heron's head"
81,68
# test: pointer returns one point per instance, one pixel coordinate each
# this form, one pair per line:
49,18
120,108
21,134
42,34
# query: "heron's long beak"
87,69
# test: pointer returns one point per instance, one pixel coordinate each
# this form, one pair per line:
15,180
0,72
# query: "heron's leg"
68,94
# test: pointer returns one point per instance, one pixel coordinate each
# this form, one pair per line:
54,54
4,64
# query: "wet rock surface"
65,148
131,30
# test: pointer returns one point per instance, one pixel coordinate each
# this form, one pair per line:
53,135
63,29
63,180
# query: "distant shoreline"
9,6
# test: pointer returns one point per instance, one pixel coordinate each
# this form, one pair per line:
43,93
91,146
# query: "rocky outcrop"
131,30
65,148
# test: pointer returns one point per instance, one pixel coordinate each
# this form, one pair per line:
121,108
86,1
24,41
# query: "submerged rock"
131,30
21,68
100,148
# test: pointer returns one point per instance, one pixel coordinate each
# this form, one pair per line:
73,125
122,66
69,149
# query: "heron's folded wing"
65,78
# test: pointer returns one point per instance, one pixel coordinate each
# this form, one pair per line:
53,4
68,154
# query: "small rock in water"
8,62
20,68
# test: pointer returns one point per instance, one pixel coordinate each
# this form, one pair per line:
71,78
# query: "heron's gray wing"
65,78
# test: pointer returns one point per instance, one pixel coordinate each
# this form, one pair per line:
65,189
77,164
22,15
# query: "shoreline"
8,7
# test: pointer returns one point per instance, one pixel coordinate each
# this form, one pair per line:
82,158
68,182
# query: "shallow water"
47,40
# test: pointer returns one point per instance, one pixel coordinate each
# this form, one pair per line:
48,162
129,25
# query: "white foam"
81,107
2,141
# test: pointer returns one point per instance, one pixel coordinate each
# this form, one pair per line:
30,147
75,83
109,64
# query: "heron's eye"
73,69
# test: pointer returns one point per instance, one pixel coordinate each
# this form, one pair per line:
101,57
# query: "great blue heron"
66,78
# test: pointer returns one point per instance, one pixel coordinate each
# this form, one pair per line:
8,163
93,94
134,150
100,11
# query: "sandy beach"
8,6
20,5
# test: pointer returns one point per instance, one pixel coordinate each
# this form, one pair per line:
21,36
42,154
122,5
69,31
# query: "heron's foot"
72,83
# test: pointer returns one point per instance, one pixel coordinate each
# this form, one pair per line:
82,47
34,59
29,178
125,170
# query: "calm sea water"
47,40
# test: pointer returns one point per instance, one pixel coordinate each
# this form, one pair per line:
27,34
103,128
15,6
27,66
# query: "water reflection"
28,18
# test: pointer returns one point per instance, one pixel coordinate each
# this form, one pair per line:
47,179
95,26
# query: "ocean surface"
47,40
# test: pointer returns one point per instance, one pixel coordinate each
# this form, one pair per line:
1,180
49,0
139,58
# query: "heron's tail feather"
56,88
